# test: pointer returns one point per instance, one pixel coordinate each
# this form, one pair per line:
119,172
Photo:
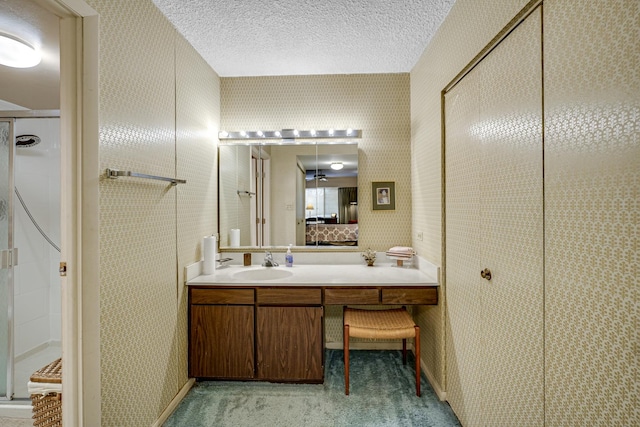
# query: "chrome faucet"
268,260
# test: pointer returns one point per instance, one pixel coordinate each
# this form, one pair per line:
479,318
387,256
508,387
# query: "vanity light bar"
291,134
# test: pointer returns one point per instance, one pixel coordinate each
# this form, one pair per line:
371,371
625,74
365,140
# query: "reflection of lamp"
309,208
336,166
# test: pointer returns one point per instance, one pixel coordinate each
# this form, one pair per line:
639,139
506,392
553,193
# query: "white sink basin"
270,273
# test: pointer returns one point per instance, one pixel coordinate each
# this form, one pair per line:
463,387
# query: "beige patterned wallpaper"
592,191
470,25
197,125
378,104
158,115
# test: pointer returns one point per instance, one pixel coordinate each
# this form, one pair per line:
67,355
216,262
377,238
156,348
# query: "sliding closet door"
512,229
463,170
494,224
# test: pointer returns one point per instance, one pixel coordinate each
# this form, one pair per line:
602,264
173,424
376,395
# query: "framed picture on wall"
383,196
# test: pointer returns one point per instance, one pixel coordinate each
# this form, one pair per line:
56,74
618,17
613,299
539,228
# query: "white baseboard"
36,349
442,395
15,410
174,403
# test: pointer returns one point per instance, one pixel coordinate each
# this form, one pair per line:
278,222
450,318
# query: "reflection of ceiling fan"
320,177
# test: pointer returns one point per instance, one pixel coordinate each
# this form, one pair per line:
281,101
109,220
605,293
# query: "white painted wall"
37,305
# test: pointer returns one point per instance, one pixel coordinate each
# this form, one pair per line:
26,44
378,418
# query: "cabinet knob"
486,274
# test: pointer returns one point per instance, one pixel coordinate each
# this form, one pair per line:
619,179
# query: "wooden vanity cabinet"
274,333
424,296
427,295
289,335
289,344
221,333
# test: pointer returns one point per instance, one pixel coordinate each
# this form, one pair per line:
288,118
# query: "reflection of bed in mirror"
327,234
321,220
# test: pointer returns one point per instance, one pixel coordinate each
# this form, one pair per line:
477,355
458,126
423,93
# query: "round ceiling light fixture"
17,53
336,166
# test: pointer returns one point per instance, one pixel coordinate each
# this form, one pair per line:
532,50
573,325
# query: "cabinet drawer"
288,296
410,296
222,296
351,296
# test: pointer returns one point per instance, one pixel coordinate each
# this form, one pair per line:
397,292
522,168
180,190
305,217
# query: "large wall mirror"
304,194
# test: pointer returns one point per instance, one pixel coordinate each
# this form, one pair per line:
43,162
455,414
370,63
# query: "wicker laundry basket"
47,407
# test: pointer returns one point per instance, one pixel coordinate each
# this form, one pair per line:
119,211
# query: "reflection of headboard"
332,233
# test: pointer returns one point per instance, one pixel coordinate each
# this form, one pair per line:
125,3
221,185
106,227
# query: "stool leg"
346,359
404,351
417,346
404,343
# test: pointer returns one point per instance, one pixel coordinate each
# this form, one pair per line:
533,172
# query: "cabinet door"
221,341
289,344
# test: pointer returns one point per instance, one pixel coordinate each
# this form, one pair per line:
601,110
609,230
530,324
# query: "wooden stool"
380,324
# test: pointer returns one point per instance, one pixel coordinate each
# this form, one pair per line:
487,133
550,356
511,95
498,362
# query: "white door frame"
80,288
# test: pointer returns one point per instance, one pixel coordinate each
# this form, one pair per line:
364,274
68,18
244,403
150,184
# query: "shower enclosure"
6,252
30,307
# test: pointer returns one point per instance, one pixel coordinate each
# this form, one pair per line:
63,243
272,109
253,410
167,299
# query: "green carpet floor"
382,393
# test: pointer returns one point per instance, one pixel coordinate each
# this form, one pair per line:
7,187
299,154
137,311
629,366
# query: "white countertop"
325,275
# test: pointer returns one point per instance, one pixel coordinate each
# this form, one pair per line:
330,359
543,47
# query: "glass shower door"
6,259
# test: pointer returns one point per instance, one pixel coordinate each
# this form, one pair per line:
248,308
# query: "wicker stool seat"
380,324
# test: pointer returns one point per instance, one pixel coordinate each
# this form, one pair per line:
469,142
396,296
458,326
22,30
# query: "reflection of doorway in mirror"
300,207
254,201
260,205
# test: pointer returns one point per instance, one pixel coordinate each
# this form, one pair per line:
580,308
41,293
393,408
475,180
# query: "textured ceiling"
291,37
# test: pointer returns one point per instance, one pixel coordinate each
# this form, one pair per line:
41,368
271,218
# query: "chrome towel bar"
115,173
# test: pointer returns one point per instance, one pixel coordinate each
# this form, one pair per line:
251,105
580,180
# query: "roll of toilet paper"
234,237
209,250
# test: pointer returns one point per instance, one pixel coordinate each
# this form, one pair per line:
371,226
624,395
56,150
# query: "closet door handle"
486,274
